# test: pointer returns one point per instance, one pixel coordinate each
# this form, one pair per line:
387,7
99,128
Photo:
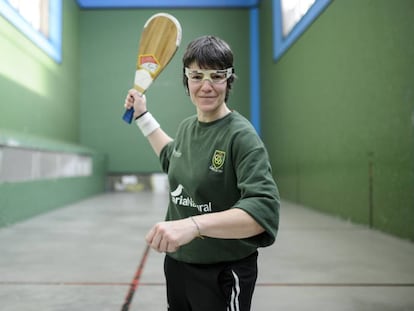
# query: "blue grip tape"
128,115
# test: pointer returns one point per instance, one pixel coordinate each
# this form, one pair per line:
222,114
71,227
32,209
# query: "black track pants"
224,286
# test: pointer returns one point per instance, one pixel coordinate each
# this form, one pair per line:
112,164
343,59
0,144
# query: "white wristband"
147,124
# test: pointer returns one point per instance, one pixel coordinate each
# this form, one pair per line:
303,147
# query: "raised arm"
146,122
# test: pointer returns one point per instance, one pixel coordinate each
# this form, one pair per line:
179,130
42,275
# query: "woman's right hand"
169,236
137,101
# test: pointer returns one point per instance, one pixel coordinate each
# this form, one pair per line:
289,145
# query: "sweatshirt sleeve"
259,192
165,156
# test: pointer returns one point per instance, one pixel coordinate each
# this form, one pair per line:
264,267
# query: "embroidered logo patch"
218,161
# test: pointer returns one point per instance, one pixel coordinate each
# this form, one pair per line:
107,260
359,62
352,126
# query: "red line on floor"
266,284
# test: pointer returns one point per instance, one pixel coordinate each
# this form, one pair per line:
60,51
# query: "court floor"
83,257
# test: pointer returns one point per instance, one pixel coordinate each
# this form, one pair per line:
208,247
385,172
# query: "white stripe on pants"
235,292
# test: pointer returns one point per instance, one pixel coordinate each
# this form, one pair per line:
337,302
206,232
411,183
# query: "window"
292,13
35,12
291,18
39,20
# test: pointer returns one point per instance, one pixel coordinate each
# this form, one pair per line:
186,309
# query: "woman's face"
207,90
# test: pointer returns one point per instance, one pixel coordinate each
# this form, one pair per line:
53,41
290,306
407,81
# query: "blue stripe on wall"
89,4
254,69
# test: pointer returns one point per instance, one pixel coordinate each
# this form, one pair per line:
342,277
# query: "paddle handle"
128,115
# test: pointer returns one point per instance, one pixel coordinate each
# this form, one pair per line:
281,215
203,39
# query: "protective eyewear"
214,76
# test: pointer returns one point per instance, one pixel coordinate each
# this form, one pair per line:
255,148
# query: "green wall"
337,108
339,101
39,109
39,96
109,44
22,200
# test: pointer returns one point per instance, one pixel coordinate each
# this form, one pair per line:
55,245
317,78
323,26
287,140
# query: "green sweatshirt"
216,166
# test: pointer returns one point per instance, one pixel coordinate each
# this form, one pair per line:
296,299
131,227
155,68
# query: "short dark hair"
209,52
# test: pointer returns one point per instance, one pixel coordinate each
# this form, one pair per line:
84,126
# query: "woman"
224,203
